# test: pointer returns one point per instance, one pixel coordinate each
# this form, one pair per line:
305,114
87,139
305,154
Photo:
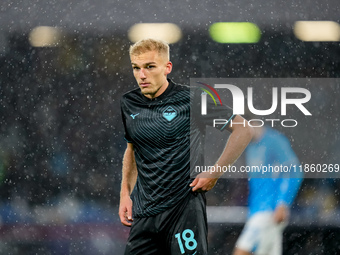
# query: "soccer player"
271,193
164,206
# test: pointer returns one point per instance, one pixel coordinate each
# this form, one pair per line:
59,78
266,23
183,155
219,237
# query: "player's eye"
150,66
135,68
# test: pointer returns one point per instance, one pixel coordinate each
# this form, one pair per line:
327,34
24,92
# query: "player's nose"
142,73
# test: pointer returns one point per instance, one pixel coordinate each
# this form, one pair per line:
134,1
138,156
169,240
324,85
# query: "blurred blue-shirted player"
270,193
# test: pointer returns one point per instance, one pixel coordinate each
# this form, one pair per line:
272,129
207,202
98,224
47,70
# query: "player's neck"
160,91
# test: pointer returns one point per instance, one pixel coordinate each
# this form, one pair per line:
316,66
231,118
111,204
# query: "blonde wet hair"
146,45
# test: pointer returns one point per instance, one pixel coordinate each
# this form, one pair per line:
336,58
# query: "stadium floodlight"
317,31
168,32
45,36
235,32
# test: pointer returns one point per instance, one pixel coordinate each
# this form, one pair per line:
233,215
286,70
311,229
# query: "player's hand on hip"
202,183
125,211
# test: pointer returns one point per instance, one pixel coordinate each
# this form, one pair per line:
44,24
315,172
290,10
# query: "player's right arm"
129,177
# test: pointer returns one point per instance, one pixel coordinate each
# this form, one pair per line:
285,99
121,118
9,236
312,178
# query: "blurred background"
63,68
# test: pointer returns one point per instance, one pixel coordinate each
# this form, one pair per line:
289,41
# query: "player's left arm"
238,140
289,188
290,183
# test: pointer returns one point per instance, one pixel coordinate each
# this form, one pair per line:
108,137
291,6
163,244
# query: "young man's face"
150,70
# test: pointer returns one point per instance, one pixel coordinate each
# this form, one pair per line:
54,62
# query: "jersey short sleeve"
217,115
126,134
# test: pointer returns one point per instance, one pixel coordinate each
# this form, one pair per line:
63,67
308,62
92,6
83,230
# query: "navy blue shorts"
180,230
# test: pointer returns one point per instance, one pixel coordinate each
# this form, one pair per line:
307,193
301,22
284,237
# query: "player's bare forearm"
129,172
237,142
129,177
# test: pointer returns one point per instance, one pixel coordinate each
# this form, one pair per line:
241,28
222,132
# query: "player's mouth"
144,84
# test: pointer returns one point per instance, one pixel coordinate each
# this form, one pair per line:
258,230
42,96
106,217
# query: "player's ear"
168,68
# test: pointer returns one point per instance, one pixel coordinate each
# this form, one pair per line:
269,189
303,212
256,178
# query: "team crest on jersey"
170,113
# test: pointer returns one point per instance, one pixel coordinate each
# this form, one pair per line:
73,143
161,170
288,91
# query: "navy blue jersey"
162,131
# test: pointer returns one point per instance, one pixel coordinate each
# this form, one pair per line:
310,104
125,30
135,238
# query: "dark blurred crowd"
61,137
